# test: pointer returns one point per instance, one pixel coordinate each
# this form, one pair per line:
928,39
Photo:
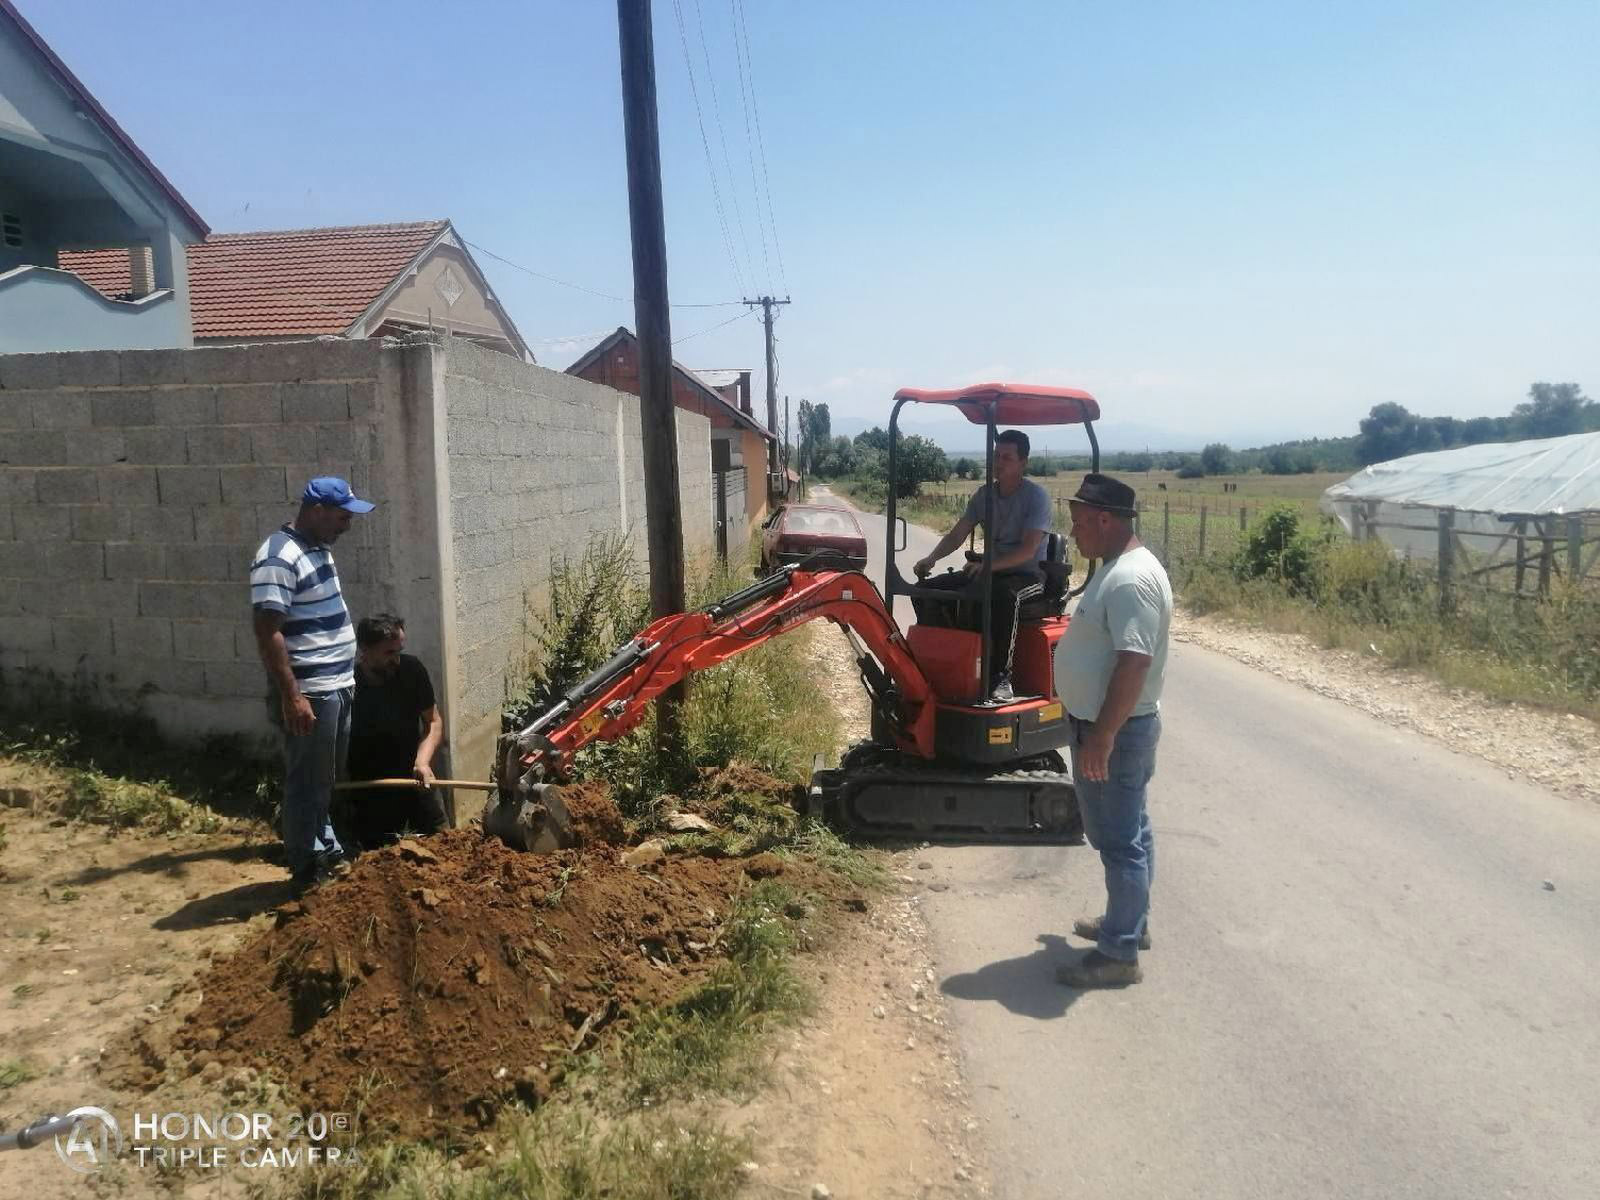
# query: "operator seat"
1057,574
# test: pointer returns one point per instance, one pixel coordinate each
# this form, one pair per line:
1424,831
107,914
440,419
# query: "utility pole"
767,304
658,419
785,463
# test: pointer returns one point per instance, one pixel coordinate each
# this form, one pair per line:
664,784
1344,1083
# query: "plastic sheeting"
1488,486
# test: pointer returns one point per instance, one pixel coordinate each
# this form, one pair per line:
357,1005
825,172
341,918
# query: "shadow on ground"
1026,986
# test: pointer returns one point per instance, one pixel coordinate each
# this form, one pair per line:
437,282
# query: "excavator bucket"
528,814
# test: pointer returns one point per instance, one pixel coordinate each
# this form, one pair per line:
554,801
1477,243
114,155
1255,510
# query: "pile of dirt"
596,819
443,977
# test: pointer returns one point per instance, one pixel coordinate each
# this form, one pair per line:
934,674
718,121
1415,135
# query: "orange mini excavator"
943,763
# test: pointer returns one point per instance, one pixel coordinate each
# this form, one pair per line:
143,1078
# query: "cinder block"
250,404
16,410
363,399
75,560
223,523
42,523
142,368
204,640
162,523
101,523
133,637
253,485
135,560
83,598
219,445
10,600
27,633
214,364
61,410
244,645
315,403
91,368
334,443
82,635
235,679
280,444
166,675
186,406
35,447
21,560
123,408
125,485
68,485
20,372
157,446
94,447
188,485
194,601
197,562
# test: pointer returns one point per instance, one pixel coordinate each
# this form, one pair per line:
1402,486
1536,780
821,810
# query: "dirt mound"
442,977
739,779
596,819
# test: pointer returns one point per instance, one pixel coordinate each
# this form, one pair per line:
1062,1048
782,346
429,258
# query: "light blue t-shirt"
1126,606
1026,508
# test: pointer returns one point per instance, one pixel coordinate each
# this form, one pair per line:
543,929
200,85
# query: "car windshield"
820,520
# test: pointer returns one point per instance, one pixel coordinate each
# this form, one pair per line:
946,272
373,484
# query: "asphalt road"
1361,984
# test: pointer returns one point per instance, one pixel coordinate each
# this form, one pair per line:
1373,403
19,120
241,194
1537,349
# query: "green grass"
120,769
14,1071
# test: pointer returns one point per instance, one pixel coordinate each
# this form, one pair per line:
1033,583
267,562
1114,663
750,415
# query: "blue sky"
1235,221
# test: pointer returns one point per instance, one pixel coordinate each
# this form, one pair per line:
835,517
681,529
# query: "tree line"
1388,431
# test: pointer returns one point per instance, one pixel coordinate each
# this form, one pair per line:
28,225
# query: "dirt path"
1557,751
871,1100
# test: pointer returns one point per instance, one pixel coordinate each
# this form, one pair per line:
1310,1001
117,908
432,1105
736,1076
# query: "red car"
798,531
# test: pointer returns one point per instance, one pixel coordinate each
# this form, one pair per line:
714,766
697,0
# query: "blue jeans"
1117,824
310,766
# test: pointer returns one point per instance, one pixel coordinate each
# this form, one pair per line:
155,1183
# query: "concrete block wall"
134,489
539,464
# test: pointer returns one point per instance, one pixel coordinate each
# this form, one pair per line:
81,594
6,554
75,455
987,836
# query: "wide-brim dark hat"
1102,491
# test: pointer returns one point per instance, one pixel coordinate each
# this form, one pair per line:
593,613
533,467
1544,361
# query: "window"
10,229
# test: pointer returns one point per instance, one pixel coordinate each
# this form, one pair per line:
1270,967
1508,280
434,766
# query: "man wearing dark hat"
1109,669
1021,519
308,645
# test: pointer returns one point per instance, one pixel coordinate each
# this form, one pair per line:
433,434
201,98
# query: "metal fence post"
1242,525
1202,530
1447,545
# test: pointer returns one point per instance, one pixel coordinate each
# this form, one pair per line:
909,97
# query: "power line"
749,141
762,145
719,325
579,287
711,166
722,132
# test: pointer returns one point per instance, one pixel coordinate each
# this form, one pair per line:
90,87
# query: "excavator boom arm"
617,695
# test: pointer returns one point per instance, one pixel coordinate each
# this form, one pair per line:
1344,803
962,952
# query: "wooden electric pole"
767,304
658,419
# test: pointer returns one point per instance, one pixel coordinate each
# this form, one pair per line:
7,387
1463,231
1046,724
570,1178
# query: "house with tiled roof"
739,442
352,281
70,179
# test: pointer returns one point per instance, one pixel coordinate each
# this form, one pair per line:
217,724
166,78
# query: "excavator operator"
1021,520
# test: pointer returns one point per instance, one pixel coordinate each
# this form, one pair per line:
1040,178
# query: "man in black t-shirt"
395,730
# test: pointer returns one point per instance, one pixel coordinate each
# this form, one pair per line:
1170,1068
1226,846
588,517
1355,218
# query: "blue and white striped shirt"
295,576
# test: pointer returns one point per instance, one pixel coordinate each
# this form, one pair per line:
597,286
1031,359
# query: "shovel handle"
476,785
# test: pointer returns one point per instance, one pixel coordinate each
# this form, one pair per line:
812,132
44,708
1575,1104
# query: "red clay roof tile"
296,282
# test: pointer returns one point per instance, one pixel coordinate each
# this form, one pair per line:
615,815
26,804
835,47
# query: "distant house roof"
93,110
293,282
694,380
719,377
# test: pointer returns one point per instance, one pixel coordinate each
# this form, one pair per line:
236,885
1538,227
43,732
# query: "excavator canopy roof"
1014,403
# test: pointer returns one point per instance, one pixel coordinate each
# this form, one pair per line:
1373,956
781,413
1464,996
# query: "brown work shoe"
1095,970
1089,927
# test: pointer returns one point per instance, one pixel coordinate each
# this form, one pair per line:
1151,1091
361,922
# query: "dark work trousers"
1008,592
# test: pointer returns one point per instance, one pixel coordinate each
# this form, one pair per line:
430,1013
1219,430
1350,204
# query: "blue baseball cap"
335,493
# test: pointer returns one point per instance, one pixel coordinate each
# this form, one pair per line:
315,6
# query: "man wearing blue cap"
305,638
